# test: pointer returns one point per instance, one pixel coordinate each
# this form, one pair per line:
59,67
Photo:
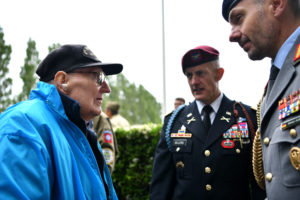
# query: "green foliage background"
137,105
5,82
133,170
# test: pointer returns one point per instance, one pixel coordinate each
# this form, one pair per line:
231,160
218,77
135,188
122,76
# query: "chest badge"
228,144
181,133
289,105
295,157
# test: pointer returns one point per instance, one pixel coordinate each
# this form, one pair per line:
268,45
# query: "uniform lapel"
192,121
223,121
283,79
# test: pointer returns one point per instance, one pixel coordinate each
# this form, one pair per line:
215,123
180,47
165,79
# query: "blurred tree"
53,46
5,82
138,106
27,73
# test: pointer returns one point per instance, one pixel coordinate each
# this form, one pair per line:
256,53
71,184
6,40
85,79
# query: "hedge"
133,169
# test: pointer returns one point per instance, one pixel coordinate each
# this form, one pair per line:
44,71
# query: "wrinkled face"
87,86
254,29
203,80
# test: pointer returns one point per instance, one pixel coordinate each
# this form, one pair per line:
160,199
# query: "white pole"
163,59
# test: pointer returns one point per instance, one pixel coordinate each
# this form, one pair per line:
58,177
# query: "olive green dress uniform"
280,132
107,139
190,165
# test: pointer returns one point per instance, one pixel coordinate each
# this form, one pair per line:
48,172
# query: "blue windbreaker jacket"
43,155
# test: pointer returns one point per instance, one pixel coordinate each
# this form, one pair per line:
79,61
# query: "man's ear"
278,7
220,73
60,81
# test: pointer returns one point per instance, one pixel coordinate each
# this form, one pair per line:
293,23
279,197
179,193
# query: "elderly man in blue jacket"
46,150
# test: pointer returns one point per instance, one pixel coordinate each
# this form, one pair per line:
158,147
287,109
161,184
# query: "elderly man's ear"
60,81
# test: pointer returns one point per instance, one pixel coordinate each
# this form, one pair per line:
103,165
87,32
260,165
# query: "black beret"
227,6
70,57
198,56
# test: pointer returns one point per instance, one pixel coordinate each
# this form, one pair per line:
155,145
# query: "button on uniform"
207,153
269,177
293,133
266,141
207,170
208,187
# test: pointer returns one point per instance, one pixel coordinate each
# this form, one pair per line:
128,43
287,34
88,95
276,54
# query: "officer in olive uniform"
204,151
272,29
107,139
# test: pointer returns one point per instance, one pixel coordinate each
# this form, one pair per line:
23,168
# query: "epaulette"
253,108
168,114
170,123
297,55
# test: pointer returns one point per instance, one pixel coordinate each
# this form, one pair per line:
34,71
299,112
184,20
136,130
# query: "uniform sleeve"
24,171
163,172
107,140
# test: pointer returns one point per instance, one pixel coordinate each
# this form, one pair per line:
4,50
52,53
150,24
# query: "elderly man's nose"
105,88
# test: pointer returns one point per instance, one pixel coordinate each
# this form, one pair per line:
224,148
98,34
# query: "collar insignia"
297,55
190,120
226,119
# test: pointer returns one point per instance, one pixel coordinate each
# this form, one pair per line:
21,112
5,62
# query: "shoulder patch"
297,55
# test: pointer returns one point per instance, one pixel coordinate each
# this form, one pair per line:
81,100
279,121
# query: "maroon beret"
199,55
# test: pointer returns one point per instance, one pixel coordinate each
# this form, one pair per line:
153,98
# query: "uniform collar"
215,105
285,49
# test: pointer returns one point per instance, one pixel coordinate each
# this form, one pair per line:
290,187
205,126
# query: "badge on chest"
237,133
181,141
287,107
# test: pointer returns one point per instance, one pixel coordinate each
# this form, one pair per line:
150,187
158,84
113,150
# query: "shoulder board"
170,123
297,55
253,108
168,114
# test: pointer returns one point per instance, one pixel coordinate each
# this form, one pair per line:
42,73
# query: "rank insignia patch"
289,105
239,130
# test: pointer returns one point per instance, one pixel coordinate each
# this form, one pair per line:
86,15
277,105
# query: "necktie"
273,74
206,118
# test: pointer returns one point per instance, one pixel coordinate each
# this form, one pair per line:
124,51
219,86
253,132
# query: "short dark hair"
180,99
113,107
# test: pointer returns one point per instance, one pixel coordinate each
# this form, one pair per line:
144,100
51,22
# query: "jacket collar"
65,106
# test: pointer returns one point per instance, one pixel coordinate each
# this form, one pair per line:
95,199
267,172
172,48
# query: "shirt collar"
215,105
285,48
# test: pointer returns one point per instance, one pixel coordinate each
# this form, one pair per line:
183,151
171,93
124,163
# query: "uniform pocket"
285,143
183,164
